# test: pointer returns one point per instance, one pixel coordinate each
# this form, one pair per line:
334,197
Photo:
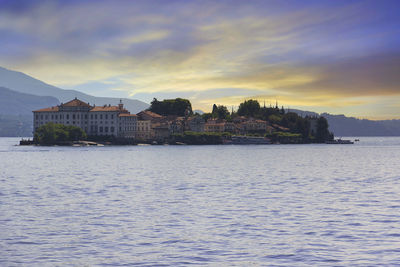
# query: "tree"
249,107
214,111
75,133
323,133
177,107
45,134
51,133
220,112
274,119
206,116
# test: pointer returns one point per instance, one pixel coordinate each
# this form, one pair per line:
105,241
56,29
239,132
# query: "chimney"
120,105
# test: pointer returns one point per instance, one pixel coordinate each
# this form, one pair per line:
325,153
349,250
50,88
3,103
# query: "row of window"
74,116
94,116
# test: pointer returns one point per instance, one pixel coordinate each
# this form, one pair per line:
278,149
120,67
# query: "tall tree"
323,133
249,107
177,106
220,112
214,111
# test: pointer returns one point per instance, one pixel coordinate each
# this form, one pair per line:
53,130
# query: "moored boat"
340,141
247,140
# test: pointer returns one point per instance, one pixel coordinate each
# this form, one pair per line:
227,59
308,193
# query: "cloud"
308,54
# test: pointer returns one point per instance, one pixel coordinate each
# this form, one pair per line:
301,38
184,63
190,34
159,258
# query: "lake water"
274,205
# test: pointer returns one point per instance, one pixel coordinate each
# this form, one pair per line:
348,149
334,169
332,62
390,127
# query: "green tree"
51,133
75,133
214,111
249,107
45,134
323,133
206,116
275,119
177,106
220,112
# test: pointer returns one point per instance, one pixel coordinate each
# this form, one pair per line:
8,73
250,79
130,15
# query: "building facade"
94,120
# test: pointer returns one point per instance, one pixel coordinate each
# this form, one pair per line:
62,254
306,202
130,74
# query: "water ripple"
292,205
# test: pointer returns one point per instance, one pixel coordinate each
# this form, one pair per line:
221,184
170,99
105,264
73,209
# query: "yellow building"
143,130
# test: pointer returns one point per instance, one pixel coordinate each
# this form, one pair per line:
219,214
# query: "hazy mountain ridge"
20,94
20,82
16,103
350,126
16,125
341,125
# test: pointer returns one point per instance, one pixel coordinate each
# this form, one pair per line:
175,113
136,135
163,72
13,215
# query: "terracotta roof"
108,108
127,115
76,103
150,113
51,109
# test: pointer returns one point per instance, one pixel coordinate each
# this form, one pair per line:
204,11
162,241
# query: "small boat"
247,140
339,141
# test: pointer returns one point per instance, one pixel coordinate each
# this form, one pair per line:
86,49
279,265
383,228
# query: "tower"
120,105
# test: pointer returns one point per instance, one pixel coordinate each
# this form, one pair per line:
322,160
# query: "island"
172,121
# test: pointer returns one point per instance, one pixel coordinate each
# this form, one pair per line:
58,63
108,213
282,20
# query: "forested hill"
341,125
349,126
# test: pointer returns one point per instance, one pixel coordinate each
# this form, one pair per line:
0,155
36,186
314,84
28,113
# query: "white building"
94,120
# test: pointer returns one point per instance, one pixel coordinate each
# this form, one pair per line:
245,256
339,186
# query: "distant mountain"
304,113
15,103
198,111
16,125
341,125
23,83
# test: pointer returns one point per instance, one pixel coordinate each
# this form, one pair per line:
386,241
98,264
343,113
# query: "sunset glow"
340,57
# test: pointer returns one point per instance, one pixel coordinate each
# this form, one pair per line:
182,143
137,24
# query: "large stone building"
94,120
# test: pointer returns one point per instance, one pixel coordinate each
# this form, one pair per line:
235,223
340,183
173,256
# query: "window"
41,116
47,117
112,129
73,116
106,116
112,116
52,116
106,129
91,116
86,116
67,116
101,116
101,129
95,116
37,116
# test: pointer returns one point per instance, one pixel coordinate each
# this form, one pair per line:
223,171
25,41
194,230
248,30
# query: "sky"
341,57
